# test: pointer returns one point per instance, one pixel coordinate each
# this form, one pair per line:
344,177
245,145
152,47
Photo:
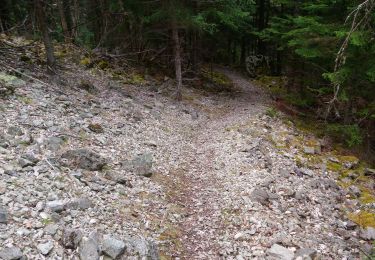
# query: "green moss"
348,158
103,64
83,135
136,79
313,160
25,99
106,168
10,80
220,80
363,218
46,221
216,77
346,173
333,166
275,85
86,62
271,112
367,197
60,54
299,162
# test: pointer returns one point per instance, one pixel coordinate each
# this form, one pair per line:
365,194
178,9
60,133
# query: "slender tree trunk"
278,63
177,59
194,44
229,50
243,51
4,14
95,25
195,40
64,23
1,25
75,19
42,24
261,14
234,53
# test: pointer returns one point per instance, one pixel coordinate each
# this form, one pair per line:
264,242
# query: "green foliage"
272,112
302,101
370,73
309,40
85,37
350,135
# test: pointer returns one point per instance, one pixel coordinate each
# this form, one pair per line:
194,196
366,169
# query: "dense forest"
325,49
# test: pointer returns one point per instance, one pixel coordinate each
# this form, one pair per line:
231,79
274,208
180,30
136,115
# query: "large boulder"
280,252
3,215
11,253
89,249
45,248
367,233
141,165
112,246
84,159
141,248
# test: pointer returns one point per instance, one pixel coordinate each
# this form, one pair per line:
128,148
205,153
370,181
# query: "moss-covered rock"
349,161
363,218
334,166
8,84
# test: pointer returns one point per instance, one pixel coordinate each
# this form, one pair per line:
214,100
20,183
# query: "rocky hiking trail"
110,170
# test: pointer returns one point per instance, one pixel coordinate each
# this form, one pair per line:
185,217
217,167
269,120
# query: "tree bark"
261,23
64,23
194,59
5,11
75,19
42,24
177,59
243,51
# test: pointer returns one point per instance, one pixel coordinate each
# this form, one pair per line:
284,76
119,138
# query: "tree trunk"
177,59
42,24
243,51
95,25
261,15
64,23
5,10
234,53
75,19
194,44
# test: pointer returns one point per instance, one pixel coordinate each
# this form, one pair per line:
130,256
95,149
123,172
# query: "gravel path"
241,194
201,194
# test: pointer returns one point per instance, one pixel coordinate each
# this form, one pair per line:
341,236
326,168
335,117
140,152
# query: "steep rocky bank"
123,171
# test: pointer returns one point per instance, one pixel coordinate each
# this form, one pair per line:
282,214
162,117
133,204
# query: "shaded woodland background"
316,57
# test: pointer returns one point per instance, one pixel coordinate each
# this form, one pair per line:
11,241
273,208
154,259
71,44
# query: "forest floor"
92,166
